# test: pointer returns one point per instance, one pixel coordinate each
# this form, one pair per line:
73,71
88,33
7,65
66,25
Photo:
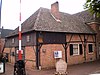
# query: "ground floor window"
90,48
76,49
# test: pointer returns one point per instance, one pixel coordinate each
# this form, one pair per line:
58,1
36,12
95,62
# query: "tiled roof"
42,20
4,32
86,16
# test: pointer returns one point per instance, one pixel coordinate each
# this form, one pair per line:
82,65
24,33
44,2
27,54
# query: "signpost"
19,66
2,64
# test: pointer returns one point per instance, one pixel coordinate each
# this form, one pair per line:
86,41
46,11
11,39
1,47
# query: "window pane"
90,46
75,49
28,38
75,46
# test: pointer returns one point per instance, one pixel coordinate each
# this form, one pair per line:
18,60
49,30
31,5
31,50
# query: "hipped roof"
42,20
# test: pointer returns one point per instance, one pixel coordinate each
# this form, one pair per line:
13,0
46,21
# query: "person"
6,57
2,60
1,55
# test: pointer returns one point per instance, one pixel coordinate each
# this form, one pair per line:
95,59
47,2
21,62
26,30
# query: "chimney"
55,11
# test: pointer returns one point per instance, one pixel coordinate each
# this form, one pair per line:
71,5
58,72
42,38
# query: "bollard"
19,68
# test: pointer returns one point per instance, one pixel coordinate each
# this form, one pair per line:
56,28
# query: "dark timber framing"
41,28
50,38
65,44
65,48
39,44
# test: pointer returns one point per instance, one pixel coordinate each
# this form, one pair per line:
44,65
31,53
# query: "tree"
93,6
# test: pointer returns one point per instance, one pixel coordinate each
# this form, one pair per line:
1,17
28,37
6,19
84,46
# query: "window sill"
90,53
75,55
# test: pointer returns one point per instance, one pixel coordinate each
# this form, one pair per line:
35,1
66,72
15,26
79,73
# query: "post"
0,11
20,37
37,52
19,66
0,23
84,47
66,52
38,47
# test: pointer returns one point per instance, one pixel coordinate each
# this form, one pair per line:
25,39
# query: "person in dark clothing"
1,55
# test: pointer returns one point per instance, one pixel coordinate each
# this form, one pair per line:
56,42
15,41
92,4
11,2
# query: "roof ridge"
80,12
37,18
58,20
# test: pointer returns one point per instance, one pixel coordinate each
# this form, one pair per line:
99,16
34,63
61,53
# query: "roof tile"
42,20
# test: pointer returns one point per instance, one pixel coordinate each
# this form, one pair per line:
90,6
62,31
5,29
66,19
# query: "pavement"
90,68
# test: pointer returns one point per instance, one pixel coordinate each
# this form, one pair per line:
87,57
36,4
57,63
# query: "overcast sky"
10,9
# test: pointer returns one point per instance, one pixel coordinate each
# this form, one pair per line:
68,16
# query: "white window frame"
92,48
13,40
28,38
77,50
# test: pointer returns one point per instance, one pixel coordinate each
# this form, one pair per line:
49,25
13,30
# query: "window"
76,49
28,38
90,48
13,40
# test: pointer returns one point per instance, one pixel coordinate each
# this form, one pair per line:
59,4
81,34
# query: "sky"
11,8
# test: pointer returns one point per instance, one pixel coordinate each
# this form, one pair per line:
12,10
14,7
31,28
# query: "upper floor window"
76,49
13,40
28,38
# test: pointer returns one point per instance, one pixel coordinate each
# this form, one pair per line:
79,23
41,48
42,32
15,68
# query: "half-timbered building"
48,30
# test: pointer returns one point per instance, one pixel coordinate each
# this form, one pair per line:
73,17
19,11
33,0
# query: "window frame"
13,40
28,38
92,48
77,49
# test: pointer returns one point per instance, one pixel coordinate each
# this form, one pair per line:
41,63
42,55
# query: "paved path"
80,69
